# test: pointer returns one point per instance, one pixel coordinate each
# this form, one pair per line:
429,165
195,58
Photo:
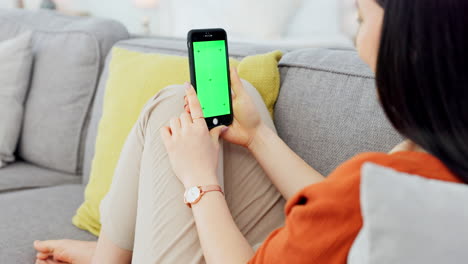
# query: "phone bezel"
211,34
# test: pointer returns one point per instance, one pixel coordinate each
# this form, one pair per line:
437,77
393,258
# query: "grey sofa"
327,112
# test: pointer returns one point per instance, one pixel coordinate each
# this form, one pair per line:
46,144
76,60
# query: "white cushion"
410,219
15,69
315,17
349,18
242,19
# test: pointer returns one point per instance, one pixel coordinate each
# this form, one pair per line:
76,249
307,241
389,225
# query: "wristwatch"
193,194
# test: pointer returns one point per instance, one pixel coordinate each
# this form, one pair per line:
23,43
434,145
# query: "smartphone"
209,74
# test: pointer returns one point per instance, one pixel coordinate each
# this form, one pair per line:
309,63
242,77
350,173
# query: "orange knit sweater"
324,218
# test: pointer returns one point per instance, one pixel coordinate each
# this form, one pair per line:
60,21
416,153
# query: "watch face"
192,194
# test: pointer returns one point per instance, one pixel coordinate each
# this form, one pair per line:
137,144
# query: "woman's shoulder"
341,185
413,162
344,182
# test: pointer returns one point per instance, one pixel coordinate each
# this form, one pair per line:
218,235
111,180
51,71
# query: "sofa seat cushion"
328,110
37,215
21,175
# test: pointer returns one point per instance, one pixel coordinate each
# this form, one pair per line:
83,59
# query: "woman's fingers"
47,261
165,133
236,83
186,105
175,125
45,246
185,120
43,256
217,132
194,104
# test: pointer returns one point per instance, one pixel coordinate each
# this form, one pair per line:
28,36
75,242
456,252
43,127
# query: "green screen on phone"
211,77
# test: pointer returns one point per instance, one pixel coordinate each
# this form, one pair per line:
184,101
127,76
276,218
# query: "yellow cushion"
133,79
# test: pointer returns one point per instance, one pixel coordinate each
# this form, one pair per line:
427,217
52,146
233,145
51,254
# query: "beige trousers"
144,209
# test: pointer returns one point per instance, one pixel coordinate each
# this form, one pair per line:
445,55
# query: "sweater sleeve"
322,220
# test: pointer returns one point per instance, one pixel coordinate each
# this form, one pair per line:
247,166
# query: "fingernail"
224,129
187,86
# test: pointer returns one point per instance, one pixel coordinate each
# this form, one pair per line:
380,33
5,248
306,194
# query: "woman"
417,50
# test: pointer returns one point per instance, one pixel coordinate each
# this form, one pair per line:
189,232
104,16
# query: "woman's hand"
192,148
246,117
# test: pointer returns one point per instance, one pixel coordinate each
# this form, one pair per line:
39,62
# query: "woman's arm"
193,152
220,238
288,172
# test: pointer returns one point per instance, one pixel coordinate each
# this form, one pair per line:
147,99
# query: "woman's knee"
167,103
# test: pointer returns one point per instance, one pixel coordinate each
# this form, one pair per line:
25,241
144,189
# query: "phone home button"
215,121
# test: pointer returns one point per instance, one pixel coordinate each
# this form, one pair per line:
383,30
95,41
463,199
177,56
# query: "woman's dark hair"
422,76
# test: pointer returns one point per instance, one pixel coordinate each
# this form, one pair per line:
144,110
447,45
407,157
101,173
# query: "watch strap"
211,188
203,190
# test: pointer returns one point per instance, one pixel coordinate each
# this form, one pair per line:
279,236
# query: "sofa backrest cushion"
149,45
410,219
328,110
69,53
15,70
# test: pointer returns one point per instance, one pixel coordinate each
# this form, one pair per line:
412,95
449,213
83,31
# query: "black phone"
209,74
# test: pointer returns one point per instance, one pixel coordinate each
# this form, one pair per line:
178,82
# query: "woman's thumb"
217,131
236,83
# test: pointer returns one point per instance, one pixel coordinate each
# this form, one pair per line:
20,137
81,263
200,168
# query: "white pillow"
242,19
15,70
410,220
314,17
349,18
